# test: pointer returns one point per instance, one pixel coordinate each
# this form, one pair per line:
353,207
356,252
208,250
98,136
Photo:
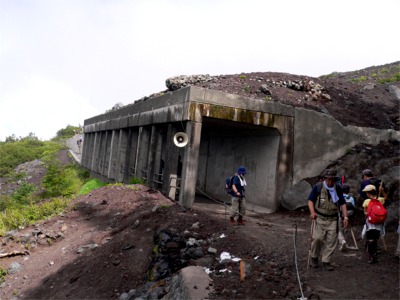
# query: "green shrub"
394,78
61,180
135,180
13,216
68,132
15,153
23,195
3,274
90,186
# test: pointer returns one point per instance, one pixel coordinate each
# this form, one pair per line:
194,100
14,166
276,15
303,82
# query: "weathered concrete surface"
280,145
319,140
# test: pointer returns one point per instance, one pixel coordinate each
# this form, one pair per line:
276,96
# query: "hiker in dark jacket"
238,196
324,201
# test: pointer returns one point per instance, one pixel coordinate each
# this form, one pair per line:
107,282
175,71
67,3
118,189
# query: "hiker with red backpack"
374,226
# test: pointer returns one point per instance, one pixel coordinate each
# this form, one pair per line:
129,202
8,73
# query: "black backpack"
228,184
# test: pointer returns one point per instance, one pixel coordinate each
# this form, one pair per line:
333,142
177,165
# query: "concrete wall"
279,144
319,140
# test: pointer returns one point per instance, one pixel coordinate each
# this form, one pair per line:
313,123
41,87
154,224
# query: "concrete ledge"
75,157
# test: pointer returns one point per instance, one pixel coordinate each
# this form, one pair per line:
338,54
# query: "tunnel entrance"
225,145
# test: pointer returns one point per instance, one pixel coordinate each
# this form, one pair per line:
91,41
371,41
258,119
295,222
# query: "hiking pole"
379,195
354,239
309,249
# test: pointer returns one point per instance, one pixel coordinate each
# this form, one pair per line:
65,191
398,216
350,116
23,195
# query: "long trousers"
325,238
238,206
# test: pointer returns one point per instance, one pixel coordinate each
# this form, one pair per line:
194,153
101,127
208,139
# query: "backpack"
349,206
228,184
376,212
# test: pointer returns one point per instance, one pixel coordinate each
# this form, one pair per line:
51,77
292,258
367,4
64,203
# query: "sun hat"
330,173
369,187
241,170
367,172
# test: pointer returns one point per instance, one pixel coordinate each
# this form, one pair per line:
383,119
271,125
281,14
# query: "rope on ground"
224,202
295,261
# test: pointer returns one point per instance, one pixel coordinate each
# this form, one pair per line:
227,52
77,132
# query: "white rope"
295,262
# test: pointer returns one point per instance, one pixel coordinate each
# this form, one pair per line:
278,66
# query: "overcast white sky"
63,61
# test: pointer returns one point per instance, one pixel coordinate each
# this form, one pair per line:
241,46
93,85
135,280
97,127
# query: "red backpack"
376,212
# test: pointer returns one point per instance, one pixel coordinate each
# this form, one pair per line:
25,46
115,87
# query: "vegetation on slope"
61,183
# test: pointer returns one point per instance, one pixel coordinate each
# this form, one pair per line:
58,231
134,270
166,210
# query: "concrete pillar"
113,155
128,150
143,153
159,161
190,163
121,155
95,158
151,156
106,154
171,158
134,148
89,150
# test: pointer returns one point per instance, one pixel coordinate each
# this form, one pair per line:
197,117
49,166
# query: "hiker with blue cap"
238,196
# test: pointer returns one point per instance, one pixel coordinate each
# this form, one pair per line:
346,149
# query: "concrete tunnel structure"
224,131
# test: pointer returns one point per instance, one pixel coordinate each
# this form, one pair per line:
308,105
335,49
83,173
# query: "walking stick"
379,195
309,249
354,239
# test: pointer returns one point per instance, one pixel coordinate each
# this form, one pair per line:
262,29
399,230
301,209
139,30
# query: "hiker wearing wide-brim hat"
372,231
238,200
323,202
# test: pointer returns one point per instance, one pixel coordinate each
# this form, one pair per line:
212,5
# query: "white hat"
369,187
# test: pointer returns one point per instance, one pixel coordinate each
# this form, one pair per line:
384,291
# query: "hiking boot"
327,266
373,259
314,262
232,220
240,221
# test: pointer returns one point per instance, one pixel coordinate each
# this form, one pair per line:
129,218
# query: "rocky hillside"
368,98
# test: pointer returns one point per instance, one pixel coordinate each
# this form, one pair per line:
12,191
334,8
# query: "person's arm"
383,193
313,214
234,187
344,214
343,207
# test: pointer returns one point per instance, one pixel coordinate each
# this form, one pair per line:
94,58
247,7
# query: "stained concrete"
279,144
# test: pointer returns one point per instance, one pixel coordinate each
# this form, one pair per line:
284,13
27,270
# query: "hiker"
324,201
372,232
350,205
368,178
238,196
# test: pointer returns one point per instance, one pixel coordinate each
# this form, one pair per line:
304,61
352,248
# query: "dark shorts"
372,234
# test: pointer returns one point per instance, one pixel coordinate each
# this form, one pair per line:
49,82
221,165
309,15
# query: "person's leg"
342,240
242,210
234,208
317,239
331,239
372,243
